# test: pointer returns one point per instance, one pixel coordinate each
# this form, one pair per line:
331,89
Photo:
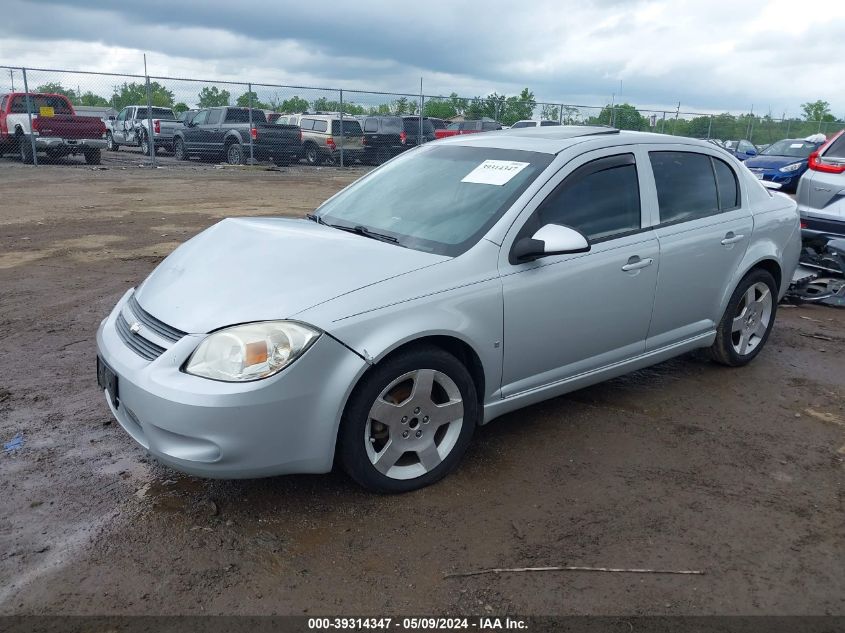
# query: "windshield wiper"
315,218
358,229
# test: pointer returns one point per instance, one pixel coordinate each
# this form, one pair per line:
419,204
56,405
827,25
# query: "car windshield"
37,102
437,198
520,124
794,148
412,126
453,126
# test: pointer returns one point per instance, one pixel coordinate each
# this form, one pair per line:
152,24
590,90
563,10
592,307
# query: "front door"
569,314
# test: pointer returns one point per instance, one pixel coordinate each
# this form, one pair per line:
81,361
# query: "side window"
487,126
3,103
726,185
371,125
200,118
306,124
686,185
214,116
123,113
601,199
837,148
744,146
320,126
548,123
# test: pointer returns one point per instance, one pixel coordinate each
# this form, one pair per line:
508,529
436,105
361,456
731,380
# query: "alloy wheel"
752,321
414,424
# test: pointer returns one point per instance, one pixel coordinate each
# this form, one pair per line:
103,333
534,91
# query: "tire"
748,320
92,156
235,154
110,144
312,154
25,149
415,444
144,142
284,160
179,151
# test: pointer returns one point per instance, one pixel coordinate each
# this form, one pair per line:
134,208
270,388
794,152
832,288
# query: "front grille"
149,321
136,342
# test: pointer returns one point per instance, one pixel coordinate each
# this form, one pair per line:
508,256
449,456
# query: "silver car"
462,280
821,190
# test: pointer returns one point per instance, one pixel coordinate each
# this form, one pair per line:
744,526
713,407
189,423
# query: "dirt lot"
688,465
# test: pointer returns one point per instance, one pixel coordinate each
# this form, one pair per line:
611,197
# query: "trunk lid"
69,126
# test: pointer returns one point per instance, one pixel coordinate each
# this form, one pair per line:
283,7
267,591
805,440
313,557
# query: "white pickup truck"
130,127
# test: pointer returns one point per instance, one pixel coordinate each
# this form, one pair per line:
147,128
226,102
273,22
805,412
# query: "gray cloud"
713,56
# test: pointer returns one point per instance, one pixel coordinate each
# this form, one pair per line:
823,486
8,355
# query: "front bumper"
283,424
785,180
71,145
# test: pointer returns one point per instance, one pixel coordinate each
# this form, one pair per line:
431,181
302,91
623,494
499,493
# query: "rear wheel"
312,154
145,145
25,148
235,154
92,156
382,155
748,320
284,160
409,421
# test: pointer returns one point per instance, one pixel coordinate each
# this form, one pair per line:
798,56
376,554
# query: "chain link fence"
141,116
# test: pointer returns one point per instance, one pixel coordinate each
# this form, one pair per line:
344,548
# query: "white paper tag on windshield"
495,172
796,145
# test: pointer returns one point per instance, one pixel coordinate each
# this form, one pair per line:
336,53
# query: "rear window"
351,127
391,125
686,185
470,125
241,115
547,123
837,148
412,126
37,102
157,113
519,124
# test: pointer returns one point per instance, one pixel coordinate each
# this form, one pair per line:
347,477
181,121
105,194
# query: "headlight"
792,167
250,352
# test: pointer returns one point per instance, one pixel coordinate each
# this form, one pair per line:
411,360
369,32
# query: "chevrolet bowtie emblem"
135,327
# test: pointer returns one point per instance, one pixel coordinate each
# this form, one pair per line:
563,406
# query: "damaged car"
382,330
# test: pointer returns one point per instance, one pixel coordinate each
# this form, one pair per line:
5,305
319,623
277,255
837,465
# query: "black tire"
144,142
284,160
312,154
110,144
352,434
235,153
179,151
25,149
92,156
723,351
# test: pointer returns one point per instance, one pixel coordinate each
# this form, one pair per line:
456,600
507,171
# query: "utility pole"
12,77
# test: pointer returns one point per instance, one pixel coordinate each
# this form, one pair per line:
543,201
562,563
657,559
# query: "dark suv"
387,136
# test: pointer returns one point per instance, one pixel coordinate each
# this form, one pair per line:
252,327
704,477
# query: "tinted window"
200,118
306,124
157,113
686,186
490,125
241,115
600,199
320,126
726,184
547,123
399,200
411,125
391,125
351,127
519,124
454,126
37,102
214,116
837,148
371,125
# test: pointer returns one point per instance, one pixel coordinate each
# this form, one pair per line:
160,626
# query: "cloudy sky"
710,55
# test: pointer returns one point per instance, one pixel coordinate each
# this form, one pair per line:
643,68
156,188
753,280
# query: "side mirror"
552,239
112,117
751,152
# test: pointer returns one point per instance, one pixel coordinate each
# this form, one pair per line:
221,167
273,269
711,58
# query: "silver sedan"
458,282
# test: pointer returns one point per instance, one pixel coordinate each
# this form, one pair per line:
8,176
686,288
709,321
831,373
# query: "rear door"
213,131
704,230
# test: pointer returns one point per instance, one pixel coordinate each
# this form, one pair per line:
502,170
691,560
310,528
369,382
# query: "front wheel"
179,151
110,144
92,156
409,421
235,154
748,320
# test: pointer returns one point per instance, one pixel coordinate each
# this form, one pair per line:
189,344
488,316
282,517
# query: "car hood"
256,269
772,162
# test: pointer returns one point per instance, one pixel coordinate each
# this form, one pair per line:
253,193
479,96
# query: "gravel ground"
686,465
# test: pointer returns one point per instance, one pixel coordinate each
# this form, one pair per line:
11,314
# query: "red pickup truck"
468,127
56,128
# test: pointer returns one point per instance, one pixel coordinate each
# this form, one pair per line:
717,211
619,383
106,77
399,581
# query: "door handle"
635,263
732,238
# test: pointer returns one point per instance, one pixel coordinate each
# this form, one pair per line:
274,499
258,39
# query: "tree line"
816,115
